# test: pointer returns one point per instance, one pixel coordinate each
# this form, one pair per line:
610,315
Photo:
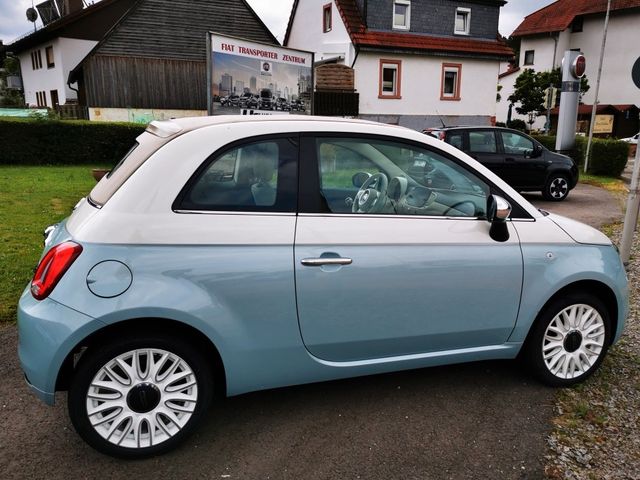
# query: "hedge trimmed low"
608,157
73,142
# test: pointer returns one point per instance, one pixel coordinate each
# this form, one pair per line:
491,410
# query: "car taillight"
52,267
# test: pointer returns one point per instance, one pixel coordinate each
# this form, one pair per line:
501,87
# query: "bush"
546,140
517,124
74,142
608,157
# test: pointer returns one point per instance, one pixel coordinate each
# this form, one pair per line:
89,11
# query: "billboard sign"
253,78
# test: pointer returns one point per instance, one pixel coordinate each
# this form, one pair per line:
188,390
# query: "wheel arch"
594,287
130,327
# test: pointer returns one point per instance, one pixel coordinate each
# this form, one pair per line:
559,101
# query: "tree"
10,97
529,94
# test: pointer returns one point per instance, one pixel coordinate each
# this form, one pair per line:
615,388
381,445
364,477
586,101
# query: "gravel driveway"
481,420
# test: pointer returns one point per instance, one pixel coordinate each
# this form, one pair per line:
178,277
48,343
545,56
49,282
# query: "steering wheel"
456,205
372,196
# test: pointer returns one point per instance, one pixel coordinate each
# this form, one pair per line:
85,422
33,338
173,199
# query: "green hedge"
608,157
73,142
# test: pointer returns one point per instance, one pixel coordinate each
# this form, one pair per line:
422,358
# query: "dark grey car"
520,160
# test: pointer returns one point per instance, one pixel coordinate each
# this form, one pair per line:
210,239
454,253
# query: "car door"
523,166
483,146
412,271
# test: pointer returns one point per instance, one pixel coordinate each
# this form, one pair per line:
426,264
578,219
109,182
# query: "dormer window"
326,18
401,14
463,20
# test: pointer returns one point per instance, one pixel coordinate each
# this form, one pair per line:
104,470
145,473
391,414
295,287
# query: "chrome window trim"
232,212
367,215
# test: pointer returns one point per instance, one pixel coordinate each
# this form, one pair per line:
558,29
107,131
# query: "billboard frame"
209,65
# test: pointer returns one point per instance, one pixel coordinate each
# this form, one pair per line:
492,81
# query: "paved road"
482,420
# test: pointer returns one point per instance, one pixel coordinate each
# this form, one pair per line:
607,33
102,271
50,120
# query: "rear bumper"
48,332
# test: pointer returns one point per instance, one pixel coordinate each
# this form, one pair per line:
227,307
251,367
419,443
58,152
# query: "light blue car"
226,255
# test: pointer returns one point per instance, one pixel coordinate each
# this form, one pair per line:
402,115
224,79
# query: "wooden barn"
151,64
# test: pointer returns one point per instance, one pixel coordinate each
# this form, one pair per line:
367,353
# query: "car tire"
557,188
140,397
569,340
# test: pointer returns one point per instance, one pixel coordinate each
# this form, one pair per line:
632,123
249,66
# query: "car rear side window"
257,176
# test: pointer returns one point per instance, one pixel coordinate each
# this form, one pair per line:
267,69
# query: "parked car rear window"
146,144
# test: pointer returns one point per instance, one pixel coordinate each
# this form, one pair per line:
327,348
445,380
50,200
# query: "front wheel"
556,189
569,340
140,397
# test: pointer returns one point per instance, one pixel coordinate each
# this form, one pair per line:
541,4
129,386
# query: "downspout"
549,95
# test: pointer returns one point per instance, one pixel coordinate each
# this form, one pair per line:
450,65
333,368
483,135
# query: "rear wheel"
570,340
140,397
556,188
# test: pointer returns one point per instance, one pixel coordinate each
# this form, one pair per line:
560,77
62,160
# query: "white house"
578,25
48,55
416,63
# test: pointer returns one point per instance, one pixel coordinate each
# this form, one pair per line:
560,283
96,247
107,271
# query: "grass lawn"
608,183
31,198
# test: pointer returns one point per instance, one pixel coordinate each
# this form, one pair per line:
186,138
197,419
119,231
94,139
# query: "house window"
49,54
463,20
36,59
390,77
529,56
401,14
577,25
451,76
41,99
326,18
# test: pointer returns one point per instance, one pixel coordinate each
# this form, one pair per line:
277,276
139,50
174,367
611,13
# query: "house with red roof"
416,63
578,25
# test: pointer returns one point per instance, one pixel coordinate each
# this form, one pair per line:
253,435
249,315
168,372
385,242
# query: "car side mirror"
537,151
359,178
498,212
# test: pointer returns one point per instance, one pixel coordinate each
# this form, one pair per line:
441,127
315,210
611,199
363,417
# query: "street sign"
579,66
604,124
635,73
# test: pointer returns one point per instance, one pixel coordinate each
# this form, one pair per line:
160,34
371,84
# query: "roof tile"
559,15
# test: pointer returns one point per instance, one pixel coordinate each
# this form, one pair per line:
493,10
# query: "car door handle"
319,262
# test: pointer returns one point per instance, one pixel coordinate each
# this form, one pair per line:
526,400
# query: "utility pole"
631,215
595,101
633,203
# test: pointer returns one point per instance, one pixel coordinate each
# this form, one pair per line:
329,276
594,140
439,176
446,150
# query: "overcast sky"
275,13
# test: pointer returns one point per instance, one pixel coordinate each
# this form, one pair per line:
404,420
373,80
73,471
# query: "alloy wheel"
573,341
142,398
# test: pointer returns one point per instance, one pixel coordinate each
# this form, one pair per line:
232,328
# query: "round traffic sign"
635,73
579,66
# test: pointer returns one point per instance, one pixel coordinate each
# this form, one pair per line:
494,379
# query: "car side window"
245,178
482,141
382,177
516,144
